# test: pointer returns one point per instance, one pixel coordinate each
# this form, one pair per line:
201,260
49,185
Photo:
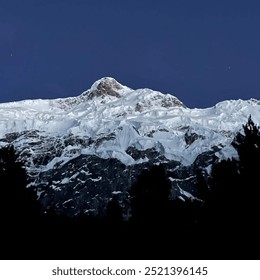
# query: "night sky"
201,51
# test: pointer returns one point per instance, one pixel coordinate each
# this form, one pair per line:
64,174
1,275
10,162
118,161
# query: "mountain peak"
104,87
108,86
106,83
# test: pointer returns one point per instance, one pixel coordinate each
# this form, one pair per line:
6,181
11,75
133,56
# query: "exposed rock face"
71,183
86,183
105,87
190,137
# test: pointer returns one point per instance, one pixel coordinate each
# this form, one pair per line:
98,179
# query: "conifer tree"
114,210
202,186
17,202
248,148
233,204
150,195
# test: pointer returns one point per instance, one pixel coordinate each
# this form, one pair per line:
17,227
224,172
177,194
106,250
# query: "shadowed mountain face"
83,150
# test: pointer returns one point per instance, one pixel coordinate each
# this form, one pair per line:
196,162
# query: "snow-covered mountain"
81,150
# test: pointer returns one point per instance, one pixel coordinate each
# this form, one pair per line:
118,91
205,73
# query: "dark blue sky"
201,51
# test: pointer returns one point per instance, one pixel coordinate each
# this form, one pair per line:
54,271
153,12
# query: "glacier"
111,121
142,118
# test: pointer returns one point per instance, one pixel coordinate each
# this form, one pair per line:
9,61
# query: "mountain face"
80,151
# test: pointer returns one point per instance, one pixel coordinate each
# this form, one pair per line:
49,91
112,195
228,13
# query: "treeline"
223,223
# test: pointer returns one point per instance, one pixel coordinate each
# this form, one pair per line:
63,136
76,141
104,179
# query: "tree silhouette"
114,210
17,202
202,185
19,209
248,148
225,197
232,208
150,195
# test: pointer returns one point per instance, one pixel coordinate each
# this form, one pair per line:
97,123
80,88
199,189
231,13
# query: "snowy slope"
81,151
116,117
